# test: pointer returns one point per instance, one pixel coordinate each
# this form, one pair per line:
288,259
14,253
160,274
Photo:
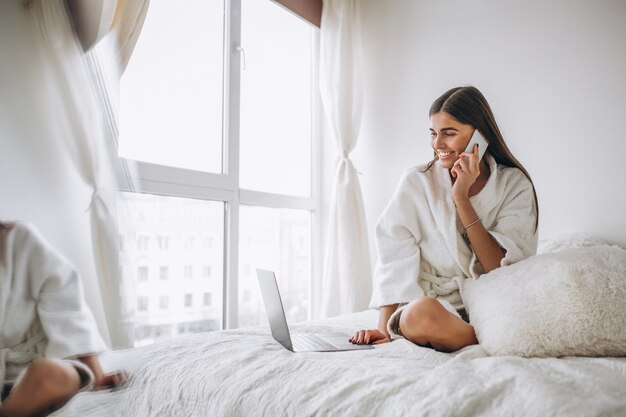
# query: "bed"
244,372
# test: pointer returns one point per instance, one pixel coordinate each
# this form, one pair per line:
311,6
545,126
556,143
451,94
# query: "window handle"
243,55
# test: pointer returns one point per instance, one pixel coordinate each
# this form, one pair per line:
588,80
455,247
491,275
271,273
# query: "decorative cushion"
558,243
566,303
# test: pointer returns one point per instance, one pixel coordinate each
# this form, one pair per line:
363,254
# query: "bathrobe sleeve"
55,285
398,235
514,227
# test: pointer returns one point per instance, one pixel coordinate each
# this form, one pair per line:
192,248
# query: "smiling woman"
454,218
465,109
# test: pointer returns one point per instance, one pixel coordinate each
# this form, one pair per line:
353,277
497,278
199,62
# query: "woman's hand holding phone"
466,170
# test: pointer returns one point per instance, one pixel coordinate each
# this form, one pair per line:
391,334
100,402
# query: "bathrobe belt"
21,354
434,285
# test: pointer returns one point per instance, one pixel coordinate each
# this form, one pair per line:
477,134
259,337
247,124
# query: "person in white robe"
49,340
450,220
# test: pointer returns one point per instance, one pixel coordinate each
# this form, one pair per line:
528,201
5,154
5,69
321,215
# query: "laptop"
332,342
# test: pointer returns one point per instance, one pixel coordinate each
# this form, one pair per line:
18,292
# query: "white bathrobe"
43,312
419,240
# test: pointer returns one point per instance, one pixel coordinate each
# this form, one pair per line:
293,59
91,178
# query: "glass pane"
171,92
276,89
173,248
278,240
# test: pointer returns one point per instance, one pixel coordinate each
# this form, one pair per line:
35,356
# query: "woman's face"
448,137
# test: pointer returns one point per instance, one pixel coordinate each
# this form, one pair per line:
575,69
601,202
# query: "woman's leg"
47,385
426,322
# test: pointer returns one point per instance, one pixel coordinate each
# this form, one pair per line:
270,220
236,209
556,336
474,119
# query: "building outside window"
164,273
142,303
143,243
163,242
189,242
142,273
188,271
188,300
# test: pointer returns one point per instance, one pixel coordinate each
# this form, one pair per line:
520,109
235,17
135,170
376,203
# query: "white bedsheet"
246,373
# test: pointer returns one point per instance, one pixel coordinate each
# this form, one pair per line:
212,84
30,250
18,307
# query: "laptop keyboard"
310,342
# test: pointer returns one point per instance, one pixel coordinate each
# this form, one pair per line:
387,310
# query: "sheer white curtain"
347,284
84,98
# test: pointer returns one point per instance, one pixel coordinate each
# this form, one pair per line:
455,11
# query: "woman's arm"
487,250
398,238
383,318
485,247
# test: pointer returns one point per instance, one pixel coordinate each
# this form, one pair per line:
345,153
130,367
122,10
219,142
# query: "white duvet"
246,373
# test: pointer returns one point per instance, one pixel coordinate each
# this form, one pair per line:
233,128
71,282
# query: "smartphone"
479,139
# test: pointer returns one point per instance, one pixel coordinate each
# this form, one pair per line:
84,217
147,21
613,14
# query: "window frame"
144,177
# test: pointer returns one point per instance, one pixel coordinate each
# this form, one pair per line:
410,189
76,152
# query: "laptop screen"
274,308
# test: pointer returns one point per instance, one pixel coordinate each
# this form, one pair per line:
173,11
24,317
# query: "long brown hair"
469,106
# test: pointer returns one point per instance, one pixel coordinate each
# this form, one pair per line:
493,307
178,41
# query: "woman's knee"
421,317
54,377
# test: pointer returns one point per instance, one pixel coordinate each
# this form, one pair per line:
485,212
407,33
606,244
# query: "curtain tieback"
98,193
345,157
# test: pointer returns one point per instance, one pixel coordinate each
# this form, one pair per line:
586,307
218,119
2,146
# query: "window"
188,271
142,303
189,241
142,273
263,230
163,242
164,302
174,217
142,242
183,98
278,73
164,273
188,300
211,147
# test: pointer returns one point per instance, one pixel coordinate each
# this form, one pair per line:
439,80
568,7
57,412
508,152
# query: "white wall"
553,73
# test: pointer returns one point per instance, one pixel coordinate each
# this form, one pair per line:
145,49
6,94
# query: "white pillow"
567,241
567,303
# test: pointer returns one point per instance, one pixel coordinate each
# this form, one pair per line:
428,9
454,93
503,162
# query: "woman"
49,342
452,219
